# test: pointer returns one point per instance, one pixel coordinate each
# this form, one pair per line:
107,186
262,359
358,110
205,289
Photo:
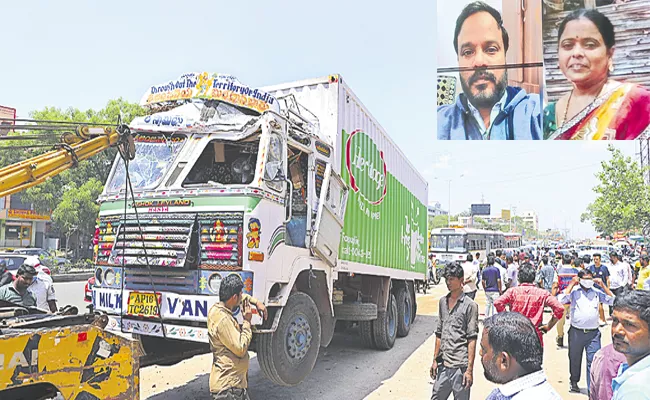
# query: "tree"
623,198
57,194
439,221
78,209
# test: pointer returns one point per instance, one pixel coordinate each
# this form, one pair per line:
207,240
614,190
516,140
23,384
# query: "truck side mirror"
274,171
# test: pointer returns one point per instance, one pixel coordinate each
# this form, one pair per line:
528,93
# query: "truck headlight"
99,278
109,277
214,283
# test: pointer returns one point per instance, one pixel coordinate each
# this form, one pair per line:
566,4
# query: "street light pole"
449,204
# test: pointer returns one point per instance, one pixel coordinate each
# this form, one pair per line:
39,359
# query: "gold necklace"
568,103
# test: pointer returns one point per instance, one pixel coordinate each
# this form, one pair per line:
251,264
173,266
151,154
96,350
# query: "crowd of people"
30,287
519,287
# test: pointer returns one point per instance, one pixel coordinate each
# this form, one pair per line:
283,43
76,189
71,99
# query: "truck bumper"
155,328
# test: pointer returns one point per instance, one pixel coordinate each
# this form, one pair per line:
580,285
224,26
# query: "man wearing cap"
17,292
5,276
42,287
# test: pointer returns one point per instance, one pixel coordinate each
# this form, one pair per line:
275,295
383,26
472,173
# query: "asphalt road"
344,370
71,293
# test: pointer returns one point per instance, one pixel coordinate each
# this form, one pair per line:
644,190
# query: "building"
531,219
434,209
20,225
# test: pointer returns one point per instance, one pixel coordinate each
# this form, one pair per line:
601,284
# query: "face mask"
587,283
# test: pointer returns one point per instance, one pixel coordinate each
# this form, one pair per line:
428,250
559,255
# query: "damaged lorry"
295,188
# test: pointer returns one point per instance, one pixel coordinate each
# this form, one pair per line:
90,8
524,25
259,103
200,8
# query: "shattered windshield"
219,113
154,156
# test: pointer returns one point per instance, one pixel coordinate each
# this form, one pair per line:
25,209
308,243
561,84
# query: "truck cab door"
328,222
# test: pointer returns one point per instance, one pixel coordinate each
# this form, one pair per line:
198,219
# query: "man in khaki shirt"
229,342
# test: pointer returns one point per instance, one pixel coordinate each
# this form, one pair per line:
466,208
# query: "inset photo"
597,74
489,70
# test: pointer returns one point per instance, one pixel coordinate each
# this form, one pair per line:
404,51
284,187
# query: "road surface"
71,293
346,370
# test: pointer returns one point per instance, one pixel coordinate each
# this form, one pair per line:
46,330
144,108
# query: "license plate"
143,304
447,257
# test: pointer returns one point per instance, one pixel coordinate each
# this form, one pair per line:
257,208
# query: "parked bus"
513,240
453,244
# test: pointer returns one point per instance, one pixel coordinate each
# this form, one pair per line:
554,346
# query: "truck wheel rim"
298,338
391,322
407,312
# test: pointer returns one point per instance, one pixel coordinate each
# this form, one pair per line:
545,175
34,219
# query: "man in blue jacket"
488,109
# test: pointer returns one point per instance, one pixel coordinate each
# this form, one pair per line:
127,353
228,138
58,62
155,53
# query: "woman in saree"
597,107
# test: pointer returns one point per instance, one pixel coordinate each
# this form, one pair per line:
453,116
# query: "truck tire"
365,331
355,312
384,328
415,306
404,311
288,355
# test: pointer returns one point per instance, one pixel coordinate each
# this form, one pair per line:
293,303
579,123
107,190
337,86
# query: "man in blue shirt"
631,336
601,272
491,284
546,276
488,109
584,335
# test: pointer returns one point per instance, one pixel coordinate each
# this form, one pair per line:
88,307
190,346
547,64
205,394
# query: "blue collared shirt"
584,306
496,109
632,381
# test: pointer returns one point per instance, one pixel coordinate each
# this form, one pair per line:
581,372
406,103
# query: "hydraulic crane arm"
84,143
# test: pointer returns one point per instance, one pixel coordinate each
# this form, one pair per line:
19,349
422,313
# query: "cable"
489,67
536,176
72,123
140,230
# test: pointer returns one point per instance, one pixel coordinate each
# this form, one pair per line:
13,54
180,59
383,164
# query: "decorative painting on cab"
597,74
489,70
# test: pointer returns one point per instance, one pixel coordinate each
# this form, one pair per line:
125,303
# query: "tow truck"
49,356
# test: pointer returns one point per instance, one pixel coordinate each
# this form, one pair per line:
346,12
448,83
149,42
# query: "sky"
81,54
554,179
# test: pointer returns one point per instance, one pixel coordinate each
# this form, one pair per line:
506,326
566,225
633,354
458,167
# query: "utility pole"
644,155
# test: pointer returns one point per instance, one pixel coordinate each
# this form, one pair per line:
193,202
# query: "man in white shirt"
470,272
619,275
511,354
42,288
584,335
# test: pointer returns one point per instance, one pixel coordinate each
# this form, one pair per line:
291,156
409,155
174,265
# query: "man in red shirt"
529,300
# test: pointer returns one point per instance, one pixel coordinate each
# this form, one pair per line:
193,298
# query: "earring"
611,67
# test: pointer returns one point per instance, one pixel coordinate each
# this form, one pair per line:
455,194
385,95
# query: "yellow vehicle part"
85,143
81,362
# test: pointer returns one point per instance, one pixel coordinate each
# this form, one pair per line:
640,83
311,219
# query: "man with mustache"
511,354
631,336
488,109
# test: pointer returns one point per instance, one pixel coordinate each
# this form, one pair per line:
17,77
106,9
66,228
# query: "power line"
535,176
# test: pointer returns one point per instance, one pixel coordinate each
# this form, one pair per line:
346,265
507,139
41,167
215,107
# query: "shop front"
22,228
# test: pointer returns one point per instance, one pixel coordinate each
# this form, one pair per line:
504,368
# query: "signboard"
210,86
505,215
26,214
6,113
480,209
